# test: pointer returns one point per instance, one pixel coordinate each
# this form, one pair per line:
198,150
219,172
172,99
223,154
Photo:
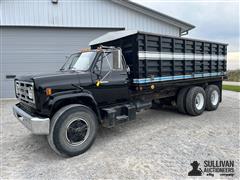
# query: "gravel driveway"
159,144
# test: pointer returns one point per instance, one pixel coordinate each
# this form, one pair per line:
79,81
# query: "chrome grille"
23,89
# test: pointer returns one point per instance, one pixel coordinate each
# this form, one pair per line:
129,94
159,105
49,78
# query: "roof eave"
184,26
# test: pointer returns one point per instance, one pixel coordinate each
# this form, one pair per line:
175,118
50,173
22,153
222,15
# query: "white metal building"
37,35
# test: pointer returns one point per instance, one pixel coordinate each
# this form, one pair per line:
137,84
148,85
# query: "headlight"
17,87
30,92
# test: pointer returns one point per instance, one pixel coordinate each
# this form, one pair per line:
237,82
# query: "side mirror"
128,69
66,61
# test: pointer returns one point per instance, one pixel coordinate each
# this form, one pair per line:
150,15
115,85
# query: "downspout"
184,33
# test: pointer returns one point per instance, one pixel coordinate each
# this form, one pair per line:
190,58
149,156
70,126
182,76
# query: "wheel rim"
214,98
77,131
199,101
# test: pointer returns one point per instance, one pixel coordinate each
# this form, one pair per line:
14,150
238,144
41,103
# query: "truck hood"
47,75
61,80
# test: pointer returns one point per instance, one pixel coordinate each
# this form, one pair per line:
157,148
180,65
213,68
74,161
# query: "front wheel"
73,130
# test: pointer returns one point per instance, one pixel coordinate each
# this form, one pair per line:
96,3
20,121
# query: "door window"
109,61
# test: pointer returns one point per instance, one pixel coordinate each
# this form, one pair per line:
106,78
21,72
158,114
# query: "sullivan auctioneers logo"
210,168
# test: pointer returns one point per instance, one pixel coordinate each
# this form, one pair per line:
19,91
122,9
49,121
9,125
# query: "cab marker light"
85,50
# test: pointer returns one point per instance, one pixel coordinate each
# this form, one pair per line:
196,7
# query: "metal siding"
100,13
39,50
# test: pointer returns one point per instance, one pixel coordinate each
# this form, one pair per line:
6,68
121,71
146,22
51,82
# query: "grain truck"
122,73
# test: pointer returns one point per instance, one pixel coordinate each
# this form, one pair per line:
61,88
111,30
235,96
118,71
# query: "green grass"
231,88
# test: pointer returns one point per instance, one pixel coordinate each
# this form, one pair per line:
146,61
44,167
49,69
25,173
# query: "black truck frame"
119,76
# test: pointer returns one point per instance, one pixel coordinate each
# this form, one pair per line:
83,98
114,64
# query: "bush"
233,75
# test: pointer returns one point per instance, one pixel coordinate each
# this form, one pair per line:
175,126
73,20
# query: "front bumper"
36,125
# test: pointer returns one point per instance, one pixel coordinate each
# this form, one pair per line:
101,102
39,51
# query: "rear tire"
195,101
73,130
212,97
181,100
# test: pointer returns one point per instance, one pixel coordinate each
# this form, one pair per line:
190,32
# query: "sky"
215,20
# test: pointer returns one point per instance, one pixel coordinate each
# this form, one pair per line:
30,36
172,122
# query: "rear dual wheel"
195,100
181,100
212,97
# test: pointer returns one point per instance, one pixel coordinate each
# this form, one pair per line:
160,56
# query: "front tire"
73,130
212,97
195,101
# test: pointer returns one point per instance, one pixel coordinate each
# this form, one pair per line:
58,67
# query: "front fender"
86,98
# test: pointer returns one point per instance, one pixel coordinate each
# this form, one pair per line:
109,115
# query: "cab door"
110,78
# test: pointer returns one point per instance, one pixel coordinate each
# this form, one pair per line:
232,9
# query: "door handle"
123,73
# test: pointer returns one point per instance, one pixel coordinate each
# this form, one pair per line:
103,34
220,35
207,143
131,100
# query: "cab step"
121,118
118,114
122,113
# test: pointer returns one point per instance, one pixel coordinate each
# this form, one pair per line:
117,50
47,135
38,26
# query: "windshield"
79,61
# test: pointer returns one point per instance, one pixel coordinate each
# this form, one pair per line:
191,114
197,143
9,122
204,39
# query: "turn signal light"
139,88
48,91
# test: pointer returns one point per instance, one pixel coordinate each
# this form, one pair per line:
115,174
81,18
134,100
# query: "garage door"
38,50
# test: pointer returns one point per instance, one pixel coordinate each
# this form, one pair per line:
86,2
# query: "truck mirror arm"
98,72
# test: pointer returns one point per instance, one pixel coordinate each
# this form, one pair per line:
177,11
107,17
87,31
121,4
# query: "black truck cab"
102,72
109,83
